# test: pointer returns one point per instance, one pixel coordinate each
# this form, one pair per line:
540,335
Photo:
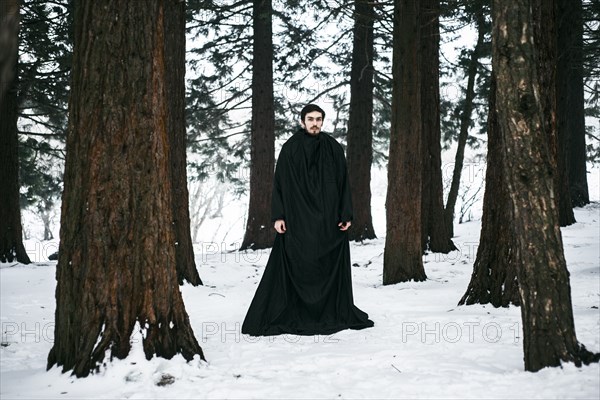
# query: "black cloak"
306,288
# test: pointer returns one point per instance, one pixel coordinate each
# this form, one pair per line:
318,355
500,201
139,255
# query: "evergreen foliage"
312,49
591,73
45,50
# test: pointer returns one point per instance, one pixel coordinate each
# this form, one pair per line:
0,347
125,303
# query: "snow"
422,346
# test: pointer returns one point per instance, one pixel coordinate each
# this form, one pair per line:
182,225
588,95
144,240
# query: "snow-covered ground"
422,345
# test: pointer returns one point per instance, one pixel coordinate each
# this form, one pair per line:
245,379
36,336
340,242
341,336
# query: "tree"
494,278
174,42
41,185
570,94
435,233
259,233
545,37
117,264
360,121
402,259
591,72
11,236
465,117
10,44
219,83
546,310
46,40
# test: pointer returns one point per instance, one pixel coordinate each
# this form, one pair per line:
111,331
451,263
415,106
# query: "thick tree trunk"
435,234
544,31
259,228
494,278
117,263
10,22
569,81
402,258
465,122
174,21
11,234
547,314
360,122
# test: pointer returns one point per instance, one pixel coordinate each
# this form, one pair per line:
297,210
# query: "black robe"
306,288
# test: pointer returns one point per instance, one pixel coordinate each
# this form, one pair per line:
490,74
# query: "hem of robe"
312,331
272,312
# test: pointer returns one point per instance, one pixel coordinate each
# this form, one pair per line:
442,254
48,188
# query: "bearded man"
306,288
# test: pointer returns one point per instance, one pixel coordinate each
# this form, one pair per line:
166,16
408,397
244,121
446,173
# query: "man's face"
313,121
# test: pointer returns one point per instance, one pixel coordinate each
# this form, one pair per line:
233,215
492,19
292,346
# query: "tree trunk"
45,211
11,234
117,263
435,234
402,258
569,89
259,229
174,21
544,31
360,122
9,41
465,122
546,310
494,278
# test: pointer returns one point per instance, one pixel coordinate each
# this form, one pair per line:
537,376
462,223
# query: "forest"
126,127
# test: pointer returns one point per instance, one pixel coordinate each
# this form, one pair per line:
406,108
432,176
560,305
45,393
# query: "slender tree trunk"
547,314
360,121
569,81
45,214
435,234
11,234
494,278
117,264
465,122
402,258
174,21
259,228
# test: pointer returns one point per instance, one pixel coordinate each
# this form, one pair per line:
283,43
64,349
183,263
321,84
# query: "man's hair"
310,108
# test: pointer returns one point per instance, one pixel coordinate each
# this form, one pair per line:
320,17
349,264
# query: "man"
306,288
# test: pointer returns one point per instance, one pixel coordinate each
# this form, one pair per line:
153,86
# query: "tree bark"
174,21
360,122
11,231
45,212
117,262
570,93
259,228
465,122
402,258
435,233
9,40
546,310
494,278
544,31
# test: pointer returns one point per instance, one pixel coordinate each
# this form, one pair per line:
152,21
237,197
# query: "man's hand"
280,226
344,225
